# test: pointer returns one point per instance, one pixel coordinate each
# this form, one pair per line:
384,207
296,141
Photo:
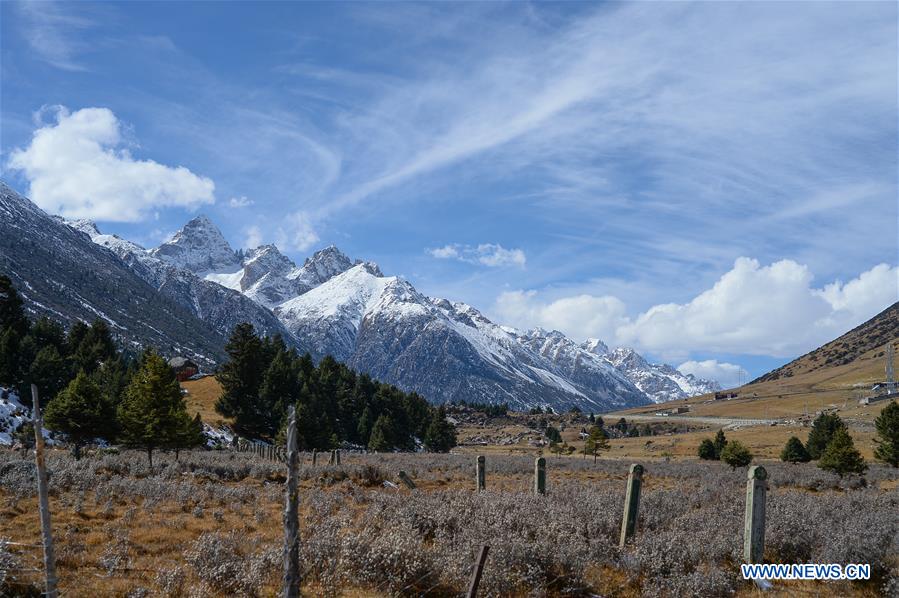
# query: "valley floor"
210,525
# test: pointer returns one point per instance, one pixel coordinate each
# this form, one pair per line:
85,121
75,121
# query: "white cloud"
752,309
240,202
580,316
76,168
445,252
728,375
486,254
296,232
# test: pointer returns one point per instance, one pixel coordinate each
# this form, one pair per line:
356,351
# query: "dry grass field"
210,525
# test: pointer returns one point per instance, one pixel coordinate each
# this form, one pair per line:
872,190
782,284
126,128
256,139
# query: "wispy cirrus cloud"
54,33
485,254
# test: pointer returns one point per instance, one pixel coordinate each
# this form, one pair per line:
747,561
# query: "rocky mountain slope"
876,332
219,307
660,382
62,274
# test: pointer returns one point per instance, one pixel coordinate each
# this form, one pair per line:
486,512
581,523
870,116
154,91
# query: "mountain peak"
326,263
198,246
596,346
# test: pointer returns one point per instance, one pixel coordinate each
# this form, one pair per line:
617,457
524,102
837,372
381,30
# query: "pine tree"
189,434
823,429
79,412
707,450
596,441
840,455
49,372
382,435
279,388
240,379
553,434
794,451
440,436
12,315
153,409
735,454
719,443
95,347
11,367
887,425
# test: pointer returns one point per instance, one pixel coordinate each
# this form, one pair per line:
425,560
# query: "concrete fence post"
481,474
314,456
43,496
337,457
754,525
291,582
631,503
540,475
405,479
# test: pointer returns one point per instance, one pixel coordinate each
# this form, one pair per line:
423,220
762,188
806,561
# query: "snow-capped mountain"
60,273
349,309
198,247
221,308
660,382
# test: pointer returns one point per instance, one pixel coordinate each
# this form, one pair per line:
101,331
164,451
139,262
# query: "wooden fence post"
478,570
631,503
540,475
754,526
291,588
405,479
43,497
481,474
337,457
314,457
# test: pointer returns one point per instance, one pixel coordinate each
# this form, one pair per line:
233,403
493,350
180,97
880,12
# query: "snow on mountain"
332,305
660,382
221,308
198,247
62,274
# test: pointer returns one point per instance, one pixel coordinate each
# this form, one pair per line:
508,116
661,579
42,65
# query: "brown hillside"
876,332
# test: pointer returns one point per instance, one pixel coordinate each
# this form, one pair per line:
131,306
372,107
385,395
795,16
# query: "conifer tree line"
334,404
88,389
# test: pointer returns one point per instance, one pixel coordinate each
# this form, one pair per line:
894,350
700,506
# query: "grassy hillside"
200,398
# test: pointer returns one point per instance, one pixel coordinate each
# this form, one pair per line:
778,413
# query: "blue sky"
711,183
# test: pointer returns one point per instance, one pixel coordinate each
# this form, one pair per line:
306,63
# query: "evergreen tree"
553,434
12,314
707,450
592,418
189,434
95,347
382,435
11,367
49,372
152,409
720,442
240,379
887,441
735,454
279,388
840,455
596,441
794,451
823,429
440,436
79,412
49,333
